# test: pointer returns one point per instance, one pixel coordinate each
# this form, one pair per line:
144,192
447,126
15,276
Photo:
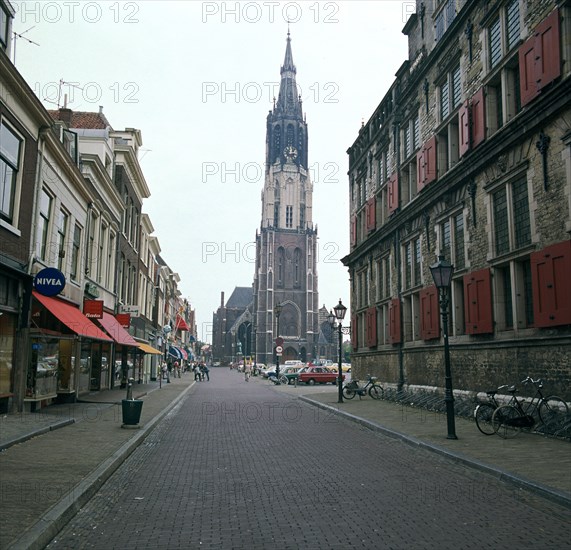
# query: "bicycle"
508,420
352,388
484,411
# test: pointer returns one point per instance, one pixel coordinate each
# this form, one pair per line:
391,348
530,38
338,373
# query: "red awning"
71,317
116,331
181,324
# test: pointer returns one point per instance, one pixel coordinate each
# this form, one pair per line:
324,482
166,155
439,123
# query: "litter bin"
132,412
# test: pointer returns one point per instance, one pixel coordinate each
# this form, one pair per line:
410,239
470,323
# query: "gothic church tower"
286,243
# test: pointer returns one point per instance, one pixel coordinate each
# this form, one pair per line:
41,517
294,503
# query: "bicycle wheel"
284,380
483,417
553,413
348,393
504,421
376,391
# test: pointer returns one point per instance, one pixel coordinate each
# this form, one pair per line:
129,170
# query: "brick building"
468,156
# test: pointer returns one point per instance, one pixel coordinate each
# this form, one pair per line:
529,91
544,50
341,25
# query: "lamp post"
442,274
277,312
340,311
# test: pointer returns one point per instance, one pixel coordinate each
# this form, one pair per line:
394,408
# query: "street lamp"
277,312
340,311
442,274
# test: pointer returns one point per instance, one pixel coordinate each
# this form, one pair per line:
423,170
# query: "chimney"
65,116
222,299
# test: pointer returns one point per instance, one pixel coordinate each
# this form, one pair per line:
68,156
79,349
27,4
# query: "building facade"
468,156
286,259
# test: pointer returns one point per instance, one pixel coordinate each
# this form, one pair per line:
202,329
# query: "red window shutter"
354,332
527,82
464,128
429,313
478,118
393,192
372,327
430,171
395,334
550,274
420,175
547,50
478,302
371,214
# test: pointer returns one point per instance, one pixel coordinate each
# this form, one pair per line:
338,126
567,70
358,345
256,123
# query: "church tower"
286,243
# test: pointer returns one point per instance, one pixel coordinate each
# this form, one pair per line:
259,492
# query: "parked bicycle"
508,420
484,411
352,388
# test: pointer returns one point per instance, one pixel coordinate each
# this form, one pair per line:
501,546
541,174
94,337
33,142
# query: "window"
42,236
511,217
289,216
4,20
503,32
450,92
452,240
75,248
110,262
10,149
61,234
495,42
412,264
302,216
101,253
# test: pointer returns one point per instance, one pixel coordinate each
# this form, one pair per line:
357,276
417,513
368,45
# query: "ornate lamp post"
277,312
340,311
442,274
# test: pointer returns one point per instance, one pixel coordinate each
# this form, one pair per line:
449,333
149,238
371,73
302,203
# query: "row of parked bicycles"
507,420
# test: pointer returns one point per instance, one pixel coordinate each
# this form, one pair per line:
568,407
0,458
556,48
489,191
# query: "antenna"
21,35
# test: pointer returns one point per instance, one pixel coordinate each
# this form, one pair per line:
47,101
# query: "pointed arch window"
290,135
281,265
277,140
297,267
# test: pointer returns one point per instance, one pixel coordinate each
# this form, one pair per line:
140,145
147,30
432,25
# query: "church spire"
288,98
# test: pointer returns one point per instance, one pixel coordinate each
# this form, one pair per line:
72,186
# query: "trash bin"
132,411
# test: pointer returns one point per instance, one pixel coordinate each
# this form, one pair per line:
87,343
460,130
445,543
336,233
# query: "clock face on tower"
290,152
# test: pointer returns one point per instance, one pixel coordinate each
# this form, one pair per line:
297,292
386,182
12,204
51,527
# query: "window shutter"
478,302
429,313
393,192
353,230
371,214
464,128
547,50
420,175
354,332
372,327
478,118
430,160
550,270
395,335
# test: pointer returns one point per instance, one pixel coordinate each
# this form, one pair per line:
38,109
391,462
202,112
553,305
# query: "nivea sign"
49,281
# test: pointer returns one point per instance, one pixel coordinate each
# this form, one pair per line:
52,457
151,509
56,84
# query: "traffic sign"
279,349
279,341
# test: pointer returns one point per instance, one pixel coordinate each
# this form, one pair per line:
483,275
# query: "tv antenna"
21,35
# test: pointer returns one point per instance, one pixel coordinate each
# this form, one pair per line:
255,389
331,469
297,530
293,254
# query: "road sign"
279,341
279,349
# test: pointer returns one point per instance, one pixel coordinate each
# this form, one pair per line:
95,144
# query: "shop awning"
116,331
184,354
181,324
149,349
71,317
175,352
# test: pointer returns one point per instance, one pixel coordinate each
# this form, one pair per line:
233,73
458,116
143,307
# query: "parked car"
317,375
289,374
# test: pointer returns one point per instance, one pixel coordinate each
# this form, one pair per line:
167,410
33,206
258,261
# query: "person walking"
205,371
247,371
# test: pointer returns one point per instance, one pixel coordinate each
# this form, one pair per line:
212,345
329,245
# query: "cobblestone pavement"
244,465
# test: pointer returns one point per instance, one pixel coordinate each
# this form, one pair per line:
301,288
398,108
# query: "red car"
317,375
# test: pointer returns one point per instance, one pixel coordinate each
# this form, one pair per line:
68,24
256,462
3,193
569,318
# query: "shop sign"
124,319
49,281
133,311
93,309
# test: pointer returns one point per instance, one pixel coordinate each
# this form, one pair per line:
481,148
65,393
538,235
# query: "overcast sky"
198,79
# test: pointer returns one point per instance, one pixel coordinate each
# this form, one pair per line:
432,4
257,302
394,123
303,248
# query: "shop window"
7,331
10,160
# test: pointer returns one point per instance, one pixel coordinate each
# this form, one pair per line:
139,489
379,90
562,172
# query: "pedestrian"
196,370
164,370
247,371
205,372
176,369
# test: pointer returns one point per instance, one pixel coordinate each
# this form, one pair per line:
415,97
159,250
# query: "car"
317,375
289,374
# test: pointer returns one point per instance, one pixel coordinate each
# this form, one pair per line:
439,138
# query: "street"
240,465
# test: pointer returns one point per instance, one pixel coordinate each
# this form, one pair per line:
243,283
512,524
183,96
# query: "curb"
559,497
53,521
21,438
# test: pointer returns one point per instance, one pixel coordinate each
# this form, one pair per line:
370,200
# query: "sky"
198,80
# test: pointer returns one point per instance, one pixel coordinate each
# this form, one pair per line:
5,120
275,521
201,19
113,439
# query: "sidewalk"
41,488
46,480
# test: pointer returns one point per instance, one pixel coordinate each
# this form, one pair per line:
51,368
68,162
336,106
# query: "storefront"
68,352
151,360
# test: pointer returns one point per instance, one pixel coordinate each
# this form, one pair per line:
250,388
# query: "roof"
240,298
82,119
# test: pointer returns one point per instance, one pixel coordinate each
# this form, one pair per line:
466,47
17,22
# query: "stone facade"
468,156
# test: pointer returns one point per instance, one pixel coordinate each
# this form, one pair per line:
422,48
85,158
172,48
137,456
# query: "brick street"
240,465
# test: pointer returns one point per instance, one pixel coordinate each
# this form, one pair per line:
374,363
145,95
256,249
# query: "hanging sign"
124,319
93,309
49,281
